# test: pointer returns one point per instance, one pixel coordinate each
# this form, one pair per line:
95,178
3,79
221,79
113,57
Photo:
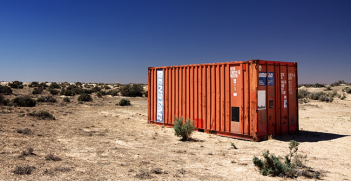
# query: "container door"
236,95
160,96
271,99
284,100
292,100
262,100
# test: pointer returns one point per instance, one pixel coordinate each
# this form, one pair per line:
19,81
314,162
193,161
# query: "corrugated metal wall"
213,94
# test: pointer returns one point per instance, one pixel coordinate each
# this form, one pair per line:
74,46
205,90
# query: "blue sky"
115,41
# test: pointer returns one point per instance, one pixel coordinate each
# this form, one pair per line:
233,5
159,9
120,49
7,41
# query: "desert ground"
100,140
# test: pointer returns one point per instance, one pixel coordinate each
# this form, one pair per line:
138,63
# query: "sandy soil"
101,141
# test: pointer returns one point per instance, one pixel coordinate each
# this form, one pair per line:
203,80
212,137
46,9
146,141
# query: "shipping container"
248,100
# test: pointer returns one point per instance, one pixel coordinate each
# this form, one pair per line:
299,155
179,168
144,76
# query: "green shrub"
33,84
16,85
124,102
233,145
146,93
316,95
5,90
54,85
53,91
293,165
96,89
24,101
328,88
100,93
66,99
112,92
303,93
46,99
3,101
183,130
107,87
135,90
85,98
67,92
42,115
37,90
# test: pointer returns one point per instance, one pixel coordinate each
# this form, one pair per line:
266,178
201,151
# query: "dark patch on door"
270,104
235,114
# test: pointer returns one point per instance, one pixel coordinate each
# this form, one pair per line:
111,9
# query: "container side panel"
262,101
278,128
253,99
196,102
148,95
173,90
177,92
218,99
284,99
213,98
222,108
200,119
292,100
208,119
184,94
246,100
271,99
235,98
187,99
191,100
227,99
166,100
204,96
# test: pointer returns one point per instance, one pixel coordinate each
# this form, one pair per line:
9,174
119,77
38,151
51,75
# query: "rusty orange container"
248,99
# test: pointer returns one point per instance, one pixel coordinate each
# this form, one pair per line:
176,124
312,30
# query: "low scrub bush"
5,90
54,92
24,131
3,101
42,115
85,98
107,87
328,88
100,93
54,85
182,129
96,89
338,83
303,93
37,90
33,84
46,99
66,99
347,90
27,152
23,170
135,90
124,102
16,85
293,165
24,101
112,92
52,157
67,92
146,93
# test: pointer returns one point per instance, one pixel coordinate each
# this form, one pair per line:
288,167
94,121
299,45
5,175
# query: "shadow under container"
248,99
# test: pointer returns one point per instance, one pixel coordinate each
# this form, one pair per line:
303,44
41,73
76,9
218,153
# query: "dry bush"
27,152
52,157
16,85
24,101
42,115
22,170
24,131
5,90
37,90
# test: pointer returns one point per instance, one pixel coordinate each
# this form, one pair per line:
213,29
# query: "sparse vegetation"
24,131
328,88
303,93
146,93
124,102
135,90
292,167
27,152
52,157
37,90
66,99
23,170
233,145
24,101
183,130
46,99
100,93
3,101
54,85
5,90
85,97
42,115
16,85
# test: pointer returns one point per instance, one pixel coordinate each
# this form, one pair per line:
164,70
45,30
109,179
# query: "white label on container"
261,99
235,94
234,80
285,103
160,96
